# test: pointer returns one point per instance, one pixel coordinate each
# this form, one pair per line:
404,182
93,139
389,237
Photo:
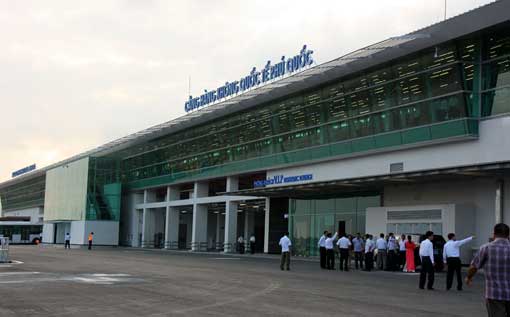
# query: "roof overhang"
369,185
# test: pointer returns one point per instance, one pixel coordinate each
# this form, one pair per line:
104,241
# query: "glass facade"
435,94
309,218
26,194
496,73
423,97
103,190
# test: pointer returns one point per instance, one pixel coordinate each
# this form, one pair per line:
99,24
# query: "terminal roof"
364,58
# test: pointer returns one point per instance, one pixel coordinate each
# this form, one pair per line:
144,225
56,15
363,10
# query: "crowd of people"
390,253
398,254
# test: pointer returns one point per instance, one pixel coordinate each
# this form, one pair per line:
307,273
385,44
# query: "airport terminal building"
406,135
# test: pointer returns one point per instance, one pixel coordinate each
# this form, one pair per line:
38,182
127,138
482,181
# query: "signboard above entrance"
253,79
282,179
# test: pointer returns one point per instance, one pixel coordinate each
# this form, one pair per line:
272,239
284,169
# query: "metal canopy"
369,185
384,51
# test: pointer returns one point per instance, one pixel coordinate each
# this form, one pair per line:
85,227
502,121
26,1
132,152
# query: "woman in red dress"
410,246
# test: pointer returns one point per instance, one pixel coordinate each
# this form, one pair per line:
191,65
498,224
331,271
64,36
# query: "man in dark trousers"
322,249
91,235
330,253
343,245
369,252
451,257
252,244
359,248
427,261
67,244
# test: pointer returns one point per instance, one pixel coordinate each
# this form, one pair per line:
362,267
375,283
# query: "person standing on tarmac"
451,257
252,244
67,243
402,252
344,244
285,244
369,253
322,249
91,236
330,253
240,244
427,261
359,247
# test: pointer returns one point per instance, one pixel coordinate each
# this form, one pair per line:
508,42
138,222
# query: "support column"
172,193
201,189
230,226
218,228
145,228
199,236
266,227
246,225
172,228
149,196
232,183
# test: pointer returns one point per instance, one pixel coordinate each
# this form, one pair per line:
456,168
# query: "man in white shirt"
285,244
402,251
330,254
392,255
427,261
369,253
322,249
451,257
252,244
67,241
381,246
240,244
359,246
344,244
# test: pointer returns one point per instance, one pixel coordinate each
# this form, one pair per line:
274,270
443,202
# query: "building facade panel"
66,192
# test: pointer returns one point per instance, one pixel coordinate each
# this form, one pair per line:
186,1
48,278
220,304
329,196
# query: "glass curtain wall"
426,90
496,73
104,189
309,218
29,193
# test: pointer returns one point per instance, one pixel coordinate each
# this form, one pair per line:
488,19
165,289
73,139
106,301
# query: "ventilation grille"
396,167
414,214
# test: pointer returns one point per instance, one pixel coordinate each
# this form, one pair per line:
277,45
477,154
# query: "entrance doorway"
183,234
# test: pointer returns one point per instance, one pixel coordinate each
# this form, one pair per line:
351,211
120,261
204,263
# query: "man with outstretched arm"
451,257
322,249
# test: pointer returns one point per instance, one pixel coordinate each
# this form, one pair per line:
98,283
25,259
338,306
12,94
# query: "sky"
77,74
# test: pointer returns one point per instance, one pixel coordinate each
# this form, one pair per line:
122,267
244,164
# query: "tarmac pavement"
49,281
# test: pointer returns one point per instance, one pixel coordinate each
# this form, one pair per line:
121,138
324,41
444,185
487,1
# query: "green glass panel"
104,189
496,102
363,144
388,140
340,148
448,129
320,152
416,135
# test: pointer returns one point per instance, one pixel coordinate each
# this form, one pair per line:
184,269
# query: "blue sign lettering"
253,79
23,170
280,179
